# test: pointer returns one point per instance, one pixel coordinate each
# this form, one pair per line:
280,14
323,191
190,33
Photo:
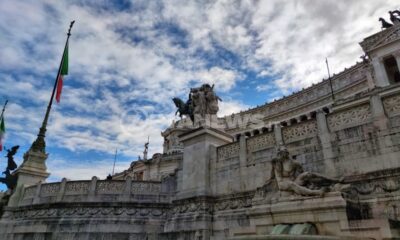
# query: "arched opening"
392,70
256,132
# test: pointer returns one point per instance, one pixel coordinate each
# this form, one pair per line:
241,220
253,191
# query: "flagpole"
115,159
4,108
330,80
39,144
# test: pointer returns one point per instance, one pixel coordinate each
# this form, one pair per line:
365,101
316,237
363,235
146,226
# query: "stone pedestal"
33,170
199,149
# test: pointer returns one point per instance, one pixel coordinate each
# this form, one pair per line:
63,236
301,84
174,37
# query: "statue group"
289,177
394,18
10,180
201,102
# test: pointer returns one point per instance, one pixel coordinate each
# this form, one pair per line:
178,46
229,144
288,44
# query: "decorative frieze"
237,203
192,206
145,188
50,189
228,151
81,212
110,187
260,142
77,187
392,105
349,118
378,187
371,41
300,131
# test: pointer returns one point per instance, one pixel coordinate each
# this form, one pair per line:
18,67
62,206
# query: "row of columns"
284,123
381,77
379,120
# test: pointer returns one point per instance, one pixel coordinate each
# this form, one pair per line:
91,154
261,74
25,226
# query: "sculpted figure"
199,102
385,24
10,180
290,177
184,108
394,18
202,101
11,165
212,99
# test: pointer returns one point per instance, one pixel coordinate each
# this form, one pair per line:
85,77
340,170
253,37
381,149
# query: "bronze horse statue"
184,108
10,180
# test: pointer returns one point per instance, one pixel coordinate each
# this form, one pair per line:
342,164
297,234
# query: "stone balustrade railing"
94,191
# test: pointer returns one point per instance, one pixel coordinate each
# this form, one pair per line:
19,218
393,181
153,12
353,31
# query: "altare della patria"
321,163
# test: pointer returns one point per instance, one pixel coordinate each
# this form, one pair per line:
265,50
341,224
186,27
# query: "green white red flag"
62,73
2,132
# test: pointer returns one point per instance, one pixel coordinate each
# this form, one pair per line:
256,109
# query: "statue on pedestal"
146,149
202,101
10,180
290,177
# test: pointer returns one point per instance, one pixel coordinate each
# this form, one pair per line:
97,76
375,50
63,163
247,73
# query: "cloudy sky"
129,58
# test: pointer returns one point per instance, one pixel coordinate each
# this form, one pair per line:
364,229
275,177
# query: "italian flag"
2,132
63,71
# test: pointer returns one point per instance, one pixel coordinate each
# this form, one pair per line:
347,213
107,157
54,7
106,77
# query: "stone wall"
94,191
89,210
345,141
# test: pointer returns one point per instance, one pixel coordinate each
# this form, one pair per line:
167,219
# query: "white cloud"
72,170
226,108
224,79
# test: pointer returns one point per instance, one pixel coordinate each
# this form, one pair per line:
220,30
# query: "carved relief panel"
299,131
260,142
228,151
348,118
392,105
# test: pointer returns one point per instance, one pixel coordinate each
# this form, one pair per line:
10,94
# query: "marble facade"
212,181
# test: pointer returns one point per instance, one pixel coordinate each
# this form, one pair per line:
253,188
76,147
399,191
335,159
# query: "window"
138,176
392,69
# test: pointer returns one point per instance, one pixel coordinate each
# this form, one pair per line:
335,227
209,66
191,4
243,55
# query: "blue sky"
129,58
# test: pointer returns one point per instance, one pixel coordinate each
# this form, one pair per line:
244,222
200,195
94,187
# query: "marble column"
397,57
325,138
278,134
370,80
381,78
379,117
242,160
